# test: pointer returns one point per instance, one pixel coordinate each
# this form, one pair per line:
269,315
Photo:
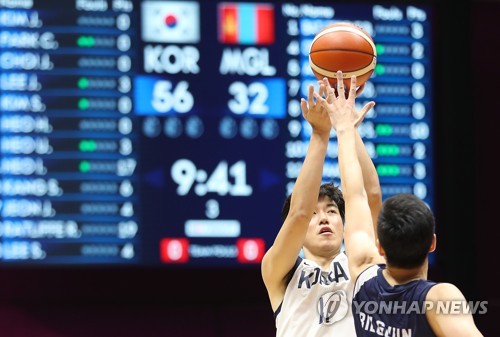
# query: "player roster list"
170,132
67,139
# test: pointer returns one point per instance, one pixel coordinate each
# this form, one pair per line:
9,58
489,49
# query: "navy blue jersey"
380,309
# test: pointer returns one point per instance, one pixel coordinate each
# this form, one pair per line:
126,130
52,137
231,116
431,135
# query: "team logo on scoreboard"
171,21
246,23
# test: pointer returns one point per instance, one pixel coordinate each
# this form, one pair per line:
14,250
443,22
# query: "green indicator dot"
388,170
380,49
85,41
379,69
383,130
386,150
84,166
87,145
83,104
83,83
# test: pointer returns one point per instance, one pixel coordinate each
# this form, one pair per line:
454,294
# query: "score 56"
263,98
167,97
155,96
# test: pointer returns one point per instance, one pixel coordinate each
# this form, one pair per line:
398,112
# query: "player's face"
325,233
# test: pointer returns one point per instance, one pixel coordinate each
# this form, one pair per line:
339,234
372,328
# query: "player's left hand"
314,112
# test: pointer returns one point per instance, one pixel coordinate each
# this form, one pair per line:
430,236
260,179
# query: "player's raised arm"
359,238
370,177
371,181
281,257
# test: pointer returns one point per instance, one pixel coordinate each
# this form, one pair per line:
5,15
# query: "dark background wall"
484,198
468,130
151,302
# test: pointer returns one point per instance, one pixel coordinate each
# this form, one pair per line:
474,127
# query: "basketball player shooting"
311,296
392,296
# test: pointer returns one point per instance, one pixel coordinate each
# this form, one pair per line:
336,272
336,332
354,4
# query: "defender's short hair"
405,229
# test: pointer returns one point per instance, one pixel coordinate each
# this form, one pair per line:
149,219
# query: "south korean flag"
170,21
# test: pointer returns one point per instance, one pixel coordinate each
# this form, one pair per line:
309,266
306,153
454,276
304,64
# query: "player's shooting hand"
314,112
341,109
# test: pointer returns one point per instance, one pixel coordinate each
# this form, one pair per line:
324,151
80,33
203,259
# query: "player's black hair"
326,190
405,229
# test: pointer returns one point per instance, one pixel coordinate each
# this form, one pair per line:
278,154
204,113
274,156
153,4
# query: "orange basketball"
343,46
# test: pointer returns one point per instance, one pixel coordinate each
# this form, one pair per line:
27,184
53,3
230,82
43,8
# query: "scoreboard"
170,132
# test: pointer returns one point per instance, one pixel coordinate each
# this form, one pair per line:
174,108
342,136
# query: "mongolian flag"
246,23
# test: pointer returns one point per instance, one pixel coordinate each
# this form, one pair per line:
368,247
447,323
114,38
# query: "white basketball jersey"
317,302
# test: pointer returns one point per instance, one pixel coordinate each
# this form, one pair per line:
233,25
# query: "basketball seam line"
354,51
348,74
355,31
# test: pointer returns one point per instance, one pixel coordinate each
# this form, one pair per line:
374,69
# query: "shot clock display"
170,132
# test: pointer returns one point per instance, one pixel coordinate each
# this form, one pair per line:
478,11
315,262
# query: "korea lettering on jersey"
332,306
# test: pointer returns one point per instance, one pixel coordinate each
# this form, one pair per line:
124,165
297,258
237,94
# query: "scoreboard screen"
170,132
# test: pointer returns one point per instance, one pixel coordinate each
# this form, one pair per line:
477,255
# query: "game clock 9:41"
225,179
